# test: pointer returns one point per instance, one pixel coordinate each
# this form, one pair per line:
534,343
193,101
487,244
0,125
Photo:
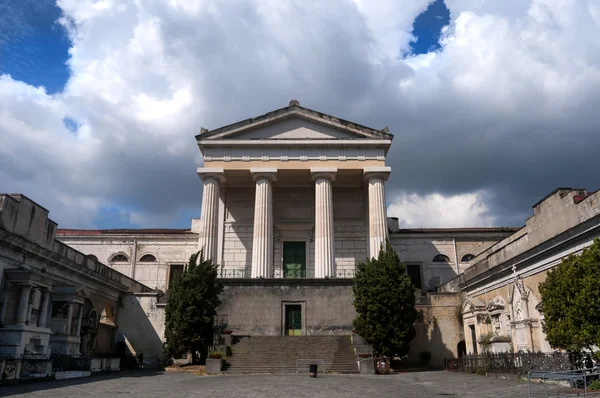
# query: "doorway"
473,339
294,259
293,320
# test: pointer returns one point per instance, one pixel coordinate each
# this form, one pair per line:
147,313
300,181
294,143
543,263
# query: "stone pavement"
164,385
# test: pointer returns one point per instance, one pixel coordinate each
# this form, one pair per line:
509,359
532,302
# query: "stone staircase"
279,354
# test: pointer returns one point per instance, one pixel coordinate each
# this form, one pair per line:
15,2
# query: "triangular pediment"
472,304
293,123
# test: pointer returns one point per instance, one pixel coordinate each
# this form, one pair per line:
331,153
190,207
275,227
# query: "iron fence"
516,363
234,273
345,273
65,362
34,366
9,364
279,273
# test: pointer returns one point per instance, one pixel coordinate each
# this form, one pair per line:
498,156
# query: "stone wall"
255,307
440,330
141,323
420,247
168,249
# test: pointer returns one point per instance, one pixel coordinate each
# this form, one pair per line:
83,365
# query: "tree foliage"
571,301
191,308
384,298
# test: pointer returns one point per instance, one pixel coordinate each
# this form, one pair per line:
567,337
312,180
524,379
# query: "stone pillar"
324,243
43,318
262,238
4,303
23,304
79,318
69,318
30,305
209,218
378,232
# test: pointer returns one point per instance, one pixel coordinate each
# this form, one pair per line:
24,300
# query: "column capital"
377,172
323,172
211,173
264,172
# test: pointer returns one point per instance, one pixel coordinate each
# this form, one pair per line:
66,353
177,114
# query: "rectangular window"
175,270
414,271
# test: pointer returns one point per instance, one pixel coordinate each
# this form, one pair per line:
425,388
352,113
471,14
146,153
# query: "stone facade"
502,302
258,307
292,176
54,299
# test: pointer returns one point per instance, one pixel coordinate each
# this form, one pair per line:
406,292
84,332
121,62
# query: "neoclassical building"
293,193
292,201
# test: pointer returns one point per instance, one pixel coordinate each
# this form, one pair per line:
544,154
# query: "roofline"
461,229
125,231
294,107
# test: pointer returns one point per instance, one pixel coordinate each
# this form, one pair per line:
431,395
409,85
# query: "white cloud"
508,102
439,211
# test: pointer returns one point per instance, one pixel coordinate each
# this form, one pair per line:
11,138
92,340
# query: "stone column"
209,218
69,318
30,305
42,319
79,318
324,243
262,238
378,232
23,304
4,303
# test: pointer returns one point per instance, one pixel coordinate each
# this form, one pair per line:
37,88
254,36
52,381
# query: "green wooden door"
294,259
293,320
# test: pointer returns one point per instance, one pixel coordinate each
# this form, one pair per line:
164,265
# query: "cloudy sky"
493,104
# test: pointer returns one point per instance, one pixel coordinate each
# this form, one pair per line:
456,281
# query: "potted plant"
364,355
227,331
216,354
214,362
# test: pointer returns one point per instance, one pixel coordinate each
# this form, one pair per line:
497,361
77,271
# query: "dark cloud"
504,113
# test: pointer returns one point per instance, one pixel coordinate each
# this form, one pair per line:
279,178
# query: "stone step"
279,354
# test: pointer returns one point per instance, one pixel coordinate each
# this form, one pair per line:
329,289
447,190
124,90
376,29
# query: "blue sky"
33,47
428,26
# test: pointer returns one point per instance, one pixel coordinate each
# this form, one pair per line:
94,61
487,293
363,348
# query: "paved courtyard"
163,385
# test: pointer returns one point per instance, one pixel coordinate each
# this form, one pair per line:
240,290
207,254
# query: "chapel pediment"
294,122
472,304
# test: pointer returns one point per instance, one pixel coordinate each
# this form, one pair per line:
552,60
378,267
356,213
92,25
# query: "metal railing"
580,382
31,366
279,273
234,273
516,363
65,362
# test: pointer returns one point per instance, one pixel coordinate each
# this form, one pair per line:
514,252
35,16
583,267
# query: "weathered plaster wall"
440,330
421,247
255,308
168,249
141,322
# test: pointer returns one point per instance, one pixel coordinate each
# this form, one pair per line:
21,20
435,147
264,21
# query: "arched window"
147,258
119,258
440,258
466,258
92,257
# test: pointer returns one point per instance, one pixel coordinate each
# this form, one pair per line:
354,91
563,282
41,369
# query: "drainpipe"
455,255
134,259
